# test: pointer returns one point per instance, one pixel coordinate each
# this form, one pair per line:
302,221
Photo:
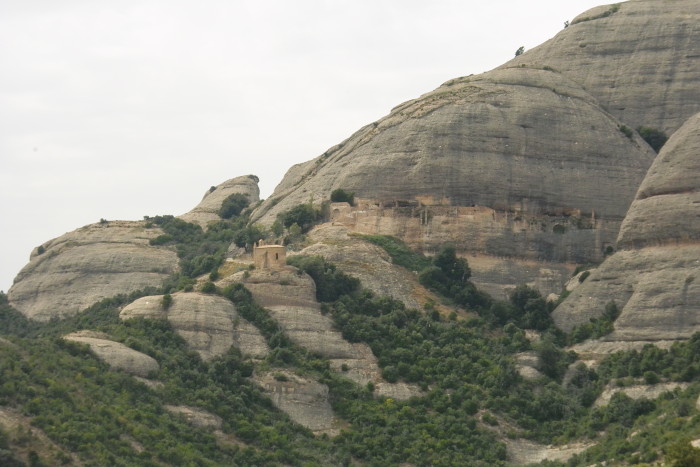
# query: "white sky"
123,108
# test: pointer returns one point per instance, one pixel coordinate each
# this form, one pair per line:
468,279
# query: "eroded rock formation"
115,354
210,324
654,278
289,295
208,209
514,164
640,59
368,262
303,399
69,273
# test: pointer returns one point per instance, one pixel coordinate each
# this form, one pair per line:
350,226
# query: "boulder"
209,324
303,399
196,417
69,273
118,356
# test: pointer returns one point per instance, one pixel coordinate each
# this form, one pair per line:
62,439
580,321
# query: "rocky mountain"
639,59
519,162
653,276
159,342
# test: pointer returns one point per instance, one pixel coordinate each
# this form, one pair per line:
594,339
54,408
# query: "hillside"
503,271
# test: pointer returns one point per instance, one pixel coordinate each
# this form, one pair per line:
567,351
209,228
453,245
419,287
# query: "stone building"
269,256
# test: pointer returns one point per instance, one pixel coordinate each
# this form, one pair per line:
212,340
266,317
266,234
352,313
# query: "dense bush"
303,215
341,196
655,138
400,253
233,205
330,283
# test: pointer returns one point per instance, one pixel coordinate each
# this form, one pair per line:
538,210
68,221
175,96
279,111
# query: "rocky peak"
208,209
653,278
639,58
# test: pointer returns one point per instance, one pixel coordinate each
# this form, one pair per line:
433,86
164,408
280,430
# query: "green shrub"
330,283
341,196
400,253
626,131
233,205
654,138
304,215
166,301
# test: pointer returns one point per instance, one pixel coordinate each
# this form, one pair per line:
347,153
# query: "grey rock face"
304,400
647,391
642,62
75,270
117,355
515,165
208,209
667,205
654,278
514,139
210,324
290,299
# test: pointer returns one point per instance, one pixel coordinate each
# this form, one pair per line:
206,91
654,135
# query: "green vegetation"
610,11
331,284
400,253
341,196
233,205
655,138
472,397
202,251
596,327
304,216
627,131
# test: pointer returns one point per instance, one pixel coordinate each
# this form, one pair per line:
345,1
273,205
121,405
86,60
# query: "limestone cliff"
640,59
208,209
653,277
69,273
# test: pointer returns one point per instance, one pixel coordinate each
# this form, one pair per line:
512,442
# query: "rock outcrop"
654,278
519,139
646,391
209,324
290,297
640,59
208,209
304,400
196,417
118,356
365,261
518,163
69,273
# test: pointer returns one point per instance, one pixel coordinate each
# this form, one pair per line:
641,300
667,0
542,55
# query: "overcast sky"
118,109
